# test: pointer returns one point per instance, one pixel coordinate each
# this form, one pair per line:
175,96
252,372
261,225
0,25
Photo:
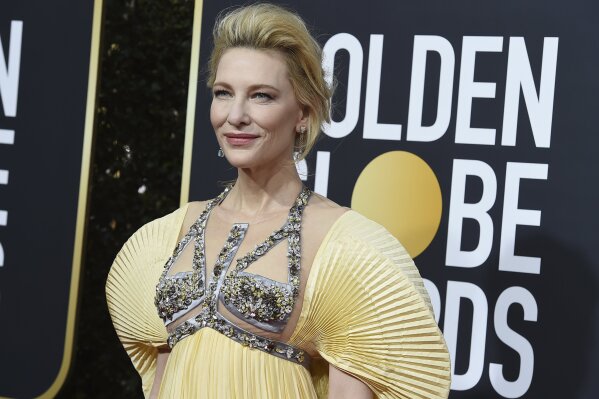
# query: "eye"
221,93
262,96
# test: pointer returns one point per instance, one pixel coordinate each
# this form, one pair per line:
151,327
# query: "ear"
303,118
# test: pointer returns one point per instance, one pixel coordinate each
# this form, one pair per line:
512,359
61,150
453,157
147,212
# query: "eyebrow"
251,88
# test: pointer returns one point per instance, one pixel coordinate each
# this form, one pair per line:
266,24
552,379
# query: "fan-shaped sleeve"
130,290
366,312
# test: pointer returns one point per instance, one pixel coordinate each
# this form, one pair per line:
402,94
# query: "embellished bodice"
260,301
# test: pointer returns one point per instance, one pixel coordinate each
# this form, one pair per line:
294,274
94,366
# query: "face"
254,111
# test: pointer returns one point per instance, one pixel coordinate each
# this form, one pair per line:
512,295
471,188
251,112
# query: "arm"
344,386
161,360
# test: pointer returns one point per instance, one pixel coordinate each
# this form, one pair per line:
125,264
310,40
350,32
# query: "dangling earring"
220,153
300,143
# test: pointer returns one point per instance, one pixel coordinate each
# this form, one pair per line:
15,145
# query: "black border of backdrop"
45,196
509,322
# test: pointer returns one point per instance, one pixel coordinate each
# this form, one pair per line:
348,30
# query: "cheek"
217,115
277,121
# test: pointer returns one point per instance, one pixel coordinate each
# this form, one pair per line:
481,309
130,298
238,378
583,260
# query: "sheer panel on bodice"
218,277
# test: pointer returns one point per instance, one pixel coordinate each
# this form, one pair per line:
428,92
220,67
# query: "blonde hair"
266,26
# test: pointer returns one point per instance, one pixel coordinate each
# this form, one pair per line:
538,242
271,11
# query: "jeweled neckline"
300,200
291,226
210,317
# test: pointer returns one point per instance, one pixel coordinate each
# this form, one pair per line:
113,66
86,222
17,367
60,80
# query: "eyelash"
259,95
262,95
218,93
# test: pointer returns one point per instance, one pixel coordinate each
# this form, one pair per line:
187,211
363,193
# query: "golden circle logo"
400,191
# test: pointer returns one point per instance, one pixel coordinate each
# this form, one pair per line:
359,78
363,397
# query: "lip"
238,139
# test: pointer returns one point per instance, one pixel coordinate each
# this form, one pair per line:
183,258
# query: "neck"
260,193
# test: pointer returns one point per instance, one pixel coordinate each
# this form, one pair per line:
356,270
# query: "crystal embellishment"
262,302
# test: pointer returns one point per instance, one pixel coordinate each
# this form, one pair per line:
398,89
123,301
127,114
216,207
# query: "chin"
251,160
242,161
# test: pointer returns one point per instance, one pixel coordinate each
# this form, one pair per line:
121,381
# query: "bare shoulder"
193,212
321,213
324,206
319,217
195,208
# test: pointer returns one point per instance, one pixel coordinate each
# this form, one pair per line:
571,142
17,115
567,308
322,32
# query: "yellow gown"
365,310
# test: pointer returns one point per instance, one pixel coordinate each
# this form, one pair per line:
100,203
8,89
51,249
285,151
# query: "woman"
270,290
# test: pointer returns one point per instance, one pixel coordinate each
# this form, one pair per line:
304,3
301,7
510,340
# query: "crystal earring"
220,153
301,139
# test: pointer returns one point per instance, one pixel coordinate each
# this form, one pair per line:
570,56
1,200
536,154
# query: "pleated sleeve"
366,312
130,290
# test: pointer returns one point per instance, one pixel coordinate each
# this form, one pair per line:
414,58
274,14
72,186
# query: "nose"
238,114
